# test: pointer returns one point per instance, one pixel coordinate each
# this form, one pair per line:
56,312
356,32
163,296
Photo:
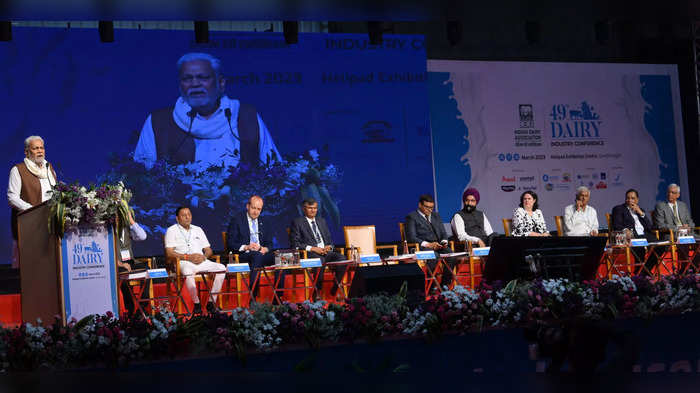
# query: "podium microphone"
227,113
191,114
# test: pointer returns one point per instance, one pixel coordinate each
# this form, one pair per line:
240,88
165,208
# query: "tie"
427,217
254,234
317,235
676,219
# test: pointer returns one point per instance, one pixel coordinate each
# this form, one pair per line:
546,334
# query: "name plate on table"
137,275
686,240
157,273
237,268
370,258
310,262
480,251
422,255
639,242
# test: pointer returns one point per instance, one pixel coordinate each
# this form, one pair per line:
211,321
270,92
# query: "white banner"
89,275
507,127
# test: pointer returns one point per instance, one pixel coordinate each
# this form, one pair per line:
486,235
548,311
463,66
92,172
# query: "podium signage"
237,268
88,272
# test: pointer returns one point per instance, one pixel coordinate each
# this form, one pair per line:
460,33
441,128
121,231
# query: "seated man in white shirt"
190,244
580,219
470,224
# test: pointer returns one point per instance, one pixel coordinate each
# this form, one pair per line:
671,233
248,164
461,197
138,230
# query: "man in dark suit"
311,233
630,216
250,236
424,226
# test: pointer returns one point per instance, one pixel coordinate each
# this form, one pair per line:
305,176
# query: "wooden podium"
38,266
72,276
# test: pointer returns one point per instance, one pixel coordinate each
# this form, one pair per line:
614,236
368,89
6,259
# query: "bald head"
254,206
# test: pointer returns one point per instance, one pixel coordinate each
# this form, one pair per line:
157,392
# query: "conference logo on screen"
508,183
377,131
575,125
526,135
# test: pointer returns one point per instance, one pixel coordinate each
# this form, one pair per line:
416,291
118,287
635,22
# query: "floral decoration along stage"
108,341
94,206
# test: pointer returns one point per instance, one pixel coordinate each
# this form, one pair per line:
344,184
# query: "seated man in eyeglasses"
424,226
311,233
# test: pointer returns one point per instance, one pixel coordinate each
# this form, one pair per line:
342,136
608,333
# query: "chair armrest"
466,245
413,245
147,261
392,247
224,257
341,250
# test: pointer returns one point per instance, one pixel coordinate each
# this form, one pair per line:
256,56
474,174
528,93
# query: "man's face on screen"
199,85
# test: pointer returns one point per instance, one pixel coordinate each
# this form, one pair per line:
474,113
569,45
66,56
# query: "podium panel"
73,276
88,273
37,266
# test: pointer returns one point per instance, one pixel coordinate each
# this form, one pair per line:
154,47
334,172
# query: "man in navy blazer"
250,236
311,233
424,226
629,215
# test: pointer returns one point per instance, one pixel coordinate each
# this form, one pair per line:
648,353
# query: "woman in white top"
528,219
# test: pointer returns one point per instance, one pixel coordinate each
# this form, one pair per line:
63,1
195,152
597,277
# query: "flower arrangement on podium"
93,206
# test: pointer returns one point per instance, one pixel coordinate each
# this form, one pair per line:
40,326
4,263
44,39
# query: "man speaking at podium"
30,184
205,125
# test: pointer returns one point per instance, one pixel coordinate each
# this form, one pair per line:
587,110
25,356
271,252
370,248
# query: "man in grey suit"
424,226
672,213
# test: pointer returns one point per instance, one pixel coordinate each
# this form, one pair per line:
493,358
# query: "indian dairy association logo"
526,135
90,254
508,183
527,118
573,125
